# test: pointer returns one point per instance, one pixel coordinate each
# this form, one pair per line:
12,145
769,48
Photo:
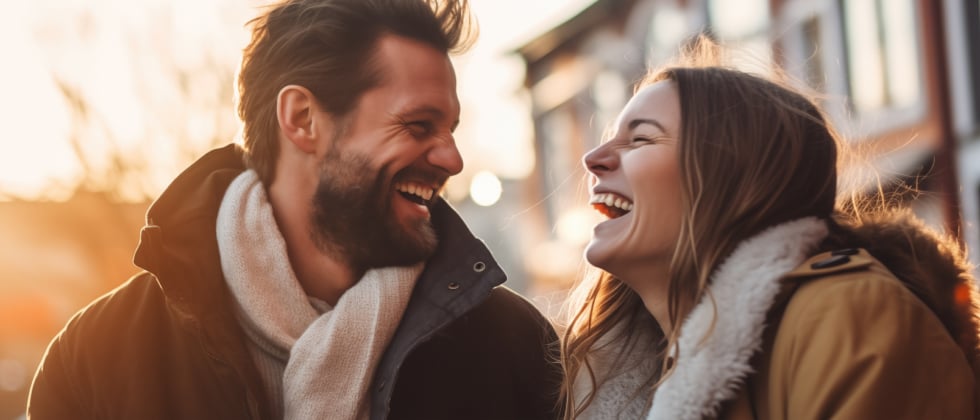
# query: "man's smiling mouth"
416,192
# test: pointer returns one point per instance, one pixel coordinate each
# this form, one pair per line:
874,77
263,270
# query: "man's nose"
445,155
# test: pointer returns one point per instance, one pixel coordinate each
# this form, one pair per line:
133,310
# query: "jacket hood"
174,244
932,266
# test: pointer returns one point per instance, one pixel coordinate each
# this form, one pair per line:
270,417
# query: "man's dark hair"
327,46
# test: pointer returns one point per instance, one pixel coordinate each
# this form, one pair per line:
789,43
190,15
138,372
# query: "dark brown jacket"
166,344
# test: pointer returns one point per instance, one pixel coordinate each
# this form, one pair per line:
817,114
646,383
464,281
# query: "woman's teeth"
612,200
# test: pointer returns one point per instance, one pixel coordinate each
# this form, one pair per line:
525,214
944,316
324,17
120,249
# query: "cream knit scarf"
331,357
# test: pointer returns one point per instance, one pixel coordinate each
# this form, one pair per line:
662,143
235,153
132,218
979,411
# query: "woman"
735,286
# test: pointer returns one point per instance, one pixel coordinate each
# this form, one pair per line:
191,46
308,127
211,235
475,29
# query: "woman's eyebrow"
640,121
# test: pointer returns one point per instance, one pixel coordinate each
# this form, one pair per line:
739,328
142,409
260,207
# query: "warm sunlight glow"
121,95
574,226
115,95
485,189
13,375
37,157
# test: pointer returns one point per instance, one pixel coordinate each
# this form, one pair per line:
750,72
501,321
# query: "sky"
151,76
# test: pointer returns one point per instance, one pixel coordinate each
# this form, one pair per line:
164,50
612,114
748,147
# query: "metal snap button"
479,266
831,262
453,286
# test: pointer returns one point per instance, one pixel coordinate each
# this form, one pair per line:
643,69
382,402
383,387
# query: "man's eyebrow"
640,121
425,109
430,111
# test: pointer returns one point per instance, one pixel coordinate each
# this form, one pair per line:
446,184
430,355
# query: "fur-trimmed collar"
713,362
712,367
724,330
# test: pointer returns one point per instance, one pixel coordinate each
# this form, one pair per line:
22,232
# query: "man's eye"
419,128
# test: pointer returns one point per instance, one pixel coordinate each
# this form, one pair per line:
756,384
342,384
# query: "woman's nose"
600,159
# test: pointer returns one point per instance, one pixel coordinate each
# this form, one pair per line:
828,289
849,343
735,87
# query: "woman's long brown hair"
753,153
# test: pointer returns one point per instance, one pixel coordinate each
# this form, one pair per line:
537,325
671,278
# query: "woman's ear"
295,106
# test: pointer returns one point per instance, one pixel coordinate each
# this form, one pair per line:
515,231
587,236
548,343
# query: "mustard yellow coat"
885,326
853,342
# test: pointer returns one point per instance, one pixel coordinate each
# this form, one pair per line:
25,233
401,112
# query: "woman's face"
636,184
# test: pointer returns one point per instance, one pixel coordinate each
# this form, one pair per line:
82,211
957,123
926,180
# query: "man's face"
389,160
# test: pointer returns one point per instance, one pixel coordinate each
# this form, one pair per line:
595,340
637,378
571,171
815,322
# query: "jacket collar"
178,243
459,276
724,331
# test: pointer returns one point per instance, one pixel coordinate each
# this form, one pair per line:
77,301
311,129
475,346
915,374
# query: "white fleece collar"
712,368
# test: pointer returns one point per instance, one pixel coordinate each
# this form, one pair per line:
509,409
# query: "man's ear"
295,108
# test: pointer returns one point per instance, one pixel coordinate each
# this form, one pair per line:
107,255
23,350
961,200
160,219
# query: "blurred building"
898,77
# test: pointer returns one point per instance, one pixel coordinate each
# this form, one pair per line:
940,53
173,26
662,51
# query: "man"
322,278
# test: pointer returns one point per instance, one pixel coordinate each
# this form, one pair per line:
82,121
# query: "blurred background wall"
105,101
899,78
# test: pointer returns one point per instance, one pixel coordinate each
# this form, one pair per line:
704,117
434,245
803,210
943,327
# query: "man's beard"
353,218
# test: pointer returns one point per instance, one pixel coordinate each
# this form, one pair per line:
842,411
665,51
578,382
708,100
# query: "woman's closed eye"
646,139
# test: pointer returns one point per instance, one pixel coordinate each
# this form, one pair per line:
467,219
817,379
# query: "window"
809,38
557,159
883,63
813,72
668,28
971,16
610,91
743,26
969,176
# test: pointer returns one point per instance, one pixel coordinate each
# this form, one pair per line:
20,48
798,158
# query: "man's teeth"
419,190
612,200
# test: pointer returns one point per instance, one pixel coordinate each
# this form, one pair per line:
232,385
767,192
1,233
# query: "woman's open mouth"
611,205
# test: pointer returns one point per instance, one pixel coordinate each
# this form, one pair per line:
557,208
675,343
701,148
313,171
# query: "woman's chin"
597,255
